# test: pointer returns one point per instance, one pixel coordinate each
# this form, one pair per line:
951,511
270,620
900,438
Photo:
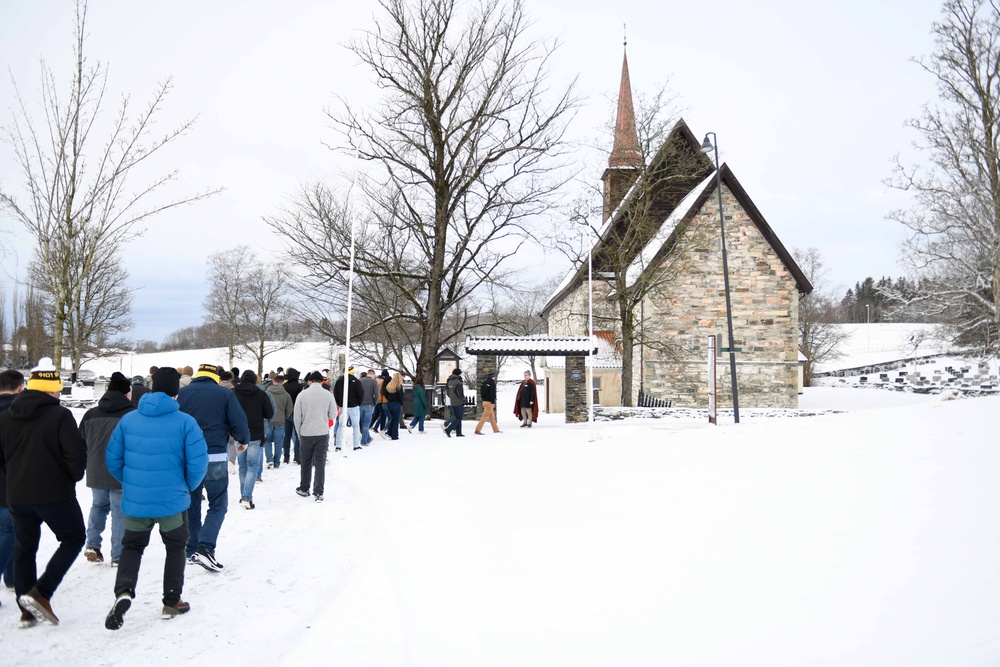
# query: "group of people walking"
156,460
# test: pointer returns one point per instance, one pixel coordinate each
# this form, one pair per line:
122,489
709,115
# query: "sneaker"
319,497
459,435
38,606
270,466
27,619
206,560
260,480
297,462
337,449
357,448
478,432
93,555
302,492
116,617
247,504
409,428
173,611
114,562
384,434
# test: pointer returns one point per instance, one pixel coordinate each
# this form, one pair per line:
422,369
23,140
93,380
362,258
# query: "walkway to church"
576,349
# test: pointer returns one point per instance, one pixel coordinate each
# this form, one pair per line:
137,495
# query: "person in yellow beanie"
44,456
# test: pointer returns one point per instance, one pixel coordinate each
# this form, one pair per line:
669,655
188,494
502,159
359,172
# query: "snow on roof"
537,344
648,254
607,356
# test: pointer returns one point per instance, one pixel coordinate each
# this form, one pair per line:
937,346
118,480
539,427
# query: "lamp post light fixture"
708,146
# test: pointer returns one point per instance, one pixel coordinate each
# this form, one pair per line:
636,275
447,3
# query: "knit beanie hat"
167,380
456,372
119,383
210,371
45,377
249,377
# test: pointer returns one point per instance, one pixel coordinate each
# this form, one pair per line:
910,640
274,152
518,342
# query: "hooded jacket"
292,384
456,390
256,405
43,454
217,412
282,403
159,455
5,401
96,428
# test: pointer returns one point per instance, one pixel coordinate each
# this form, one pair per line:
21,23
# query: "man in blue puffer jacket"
219,414
159,455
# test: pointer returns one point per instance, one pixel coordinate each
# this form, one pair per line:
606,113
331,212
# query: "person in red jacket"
44,456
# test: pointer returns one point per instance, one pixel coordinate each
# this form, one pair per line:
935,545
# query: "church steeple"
625,161
626,152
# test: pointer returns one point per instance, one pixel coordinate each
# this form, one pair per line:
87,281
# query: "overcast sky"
808,100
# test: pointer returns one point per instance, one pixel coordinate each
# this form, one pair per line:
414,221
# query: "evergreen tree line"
882,300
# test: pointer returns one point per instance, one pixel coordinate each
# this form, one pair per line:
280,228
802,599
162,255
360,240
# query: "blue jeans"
106,500
418,420
274,437
366,422
353,416
216,485
249,462
6,547
392,423
291,439
454,423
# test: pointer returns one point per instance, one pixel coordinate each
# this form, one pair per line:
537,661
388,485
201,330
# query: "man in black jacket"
11,384
488,397
355,394
294,388
258,408
44,457
96,428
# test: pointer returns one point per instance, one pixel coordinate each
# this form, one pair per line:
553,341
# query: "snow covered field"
867,537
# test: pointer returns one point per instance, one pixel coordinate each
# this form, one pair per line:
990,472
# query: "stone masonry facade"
692,307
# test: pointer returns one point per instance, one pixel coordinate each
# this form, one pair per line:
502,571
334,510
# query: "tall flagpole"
350,298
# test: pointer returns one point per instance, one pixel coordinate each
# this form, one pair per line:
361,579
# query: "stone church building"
659,253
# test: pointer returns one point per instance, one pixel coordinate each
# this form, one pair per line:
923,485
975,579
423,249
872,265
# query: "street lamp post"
708,147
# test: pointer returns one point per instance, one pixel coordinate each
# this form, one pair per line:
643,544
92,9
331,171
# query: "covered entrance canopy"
576,349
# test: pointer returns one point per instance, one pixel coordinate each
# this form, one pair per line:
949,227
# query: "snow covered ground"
867,537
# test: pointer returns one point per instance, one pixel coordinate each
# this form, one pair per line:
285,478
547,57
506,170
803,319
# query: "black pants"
65,520
314,449
135,542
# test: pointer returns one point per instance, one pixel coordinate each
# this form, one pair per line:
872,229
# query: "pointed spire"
626,152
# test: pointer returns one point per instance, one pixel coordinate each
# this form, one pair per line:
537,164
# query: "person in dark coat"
419,405
274,433
291,442
159,455
526,401
139,389
218,413
259,409
44,457
11,384
456,401
96,427
393,392
488,397
355,394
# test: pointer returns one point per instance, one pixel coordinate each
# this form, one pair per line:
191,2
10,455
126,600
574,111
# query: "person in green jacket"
419,405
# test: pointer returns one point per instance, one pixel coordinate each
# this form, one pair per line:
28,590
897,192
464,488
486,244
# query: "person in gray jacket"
369,397
456,401
313,412
96,428
274,434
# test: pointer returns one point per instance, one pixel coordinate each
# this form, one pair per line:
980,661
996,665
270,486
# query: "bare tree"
954,249
78,205
465,143
228,274
265,314
819,335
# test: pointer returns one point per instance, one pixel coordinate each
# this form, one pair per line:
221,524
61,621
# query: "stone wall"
485,363
691,307
576,390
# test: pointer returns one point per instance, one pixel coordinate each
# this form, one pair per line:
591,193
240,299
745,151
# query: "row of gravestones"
962,378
